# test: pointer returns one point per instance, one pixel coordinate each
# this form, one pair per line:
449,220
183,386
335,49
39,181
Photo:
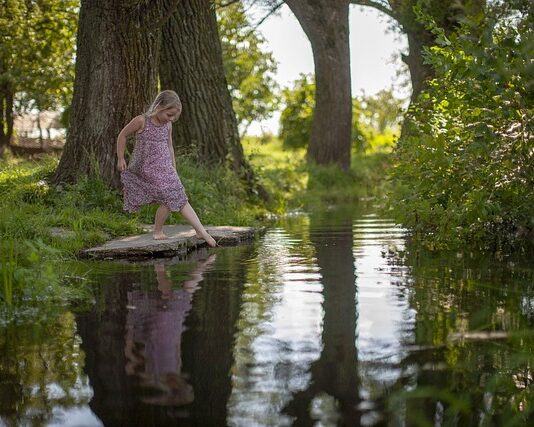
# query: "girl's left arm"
171,148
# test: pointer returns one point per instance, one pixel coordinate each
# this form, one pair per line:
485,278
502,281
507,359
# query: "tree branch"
271,11
378,6
220,5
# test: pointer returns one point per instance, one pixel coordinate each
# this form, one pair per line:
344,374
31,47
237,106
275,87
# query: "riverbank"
45,225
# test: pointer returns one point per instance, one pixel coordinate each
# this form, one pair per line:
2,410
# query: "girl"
151,176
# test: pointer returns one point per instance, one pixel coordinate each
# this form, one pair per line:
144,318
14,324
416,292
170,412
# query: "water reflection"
329,319
278,331
154,328
41,375
137,346
332,393
469,358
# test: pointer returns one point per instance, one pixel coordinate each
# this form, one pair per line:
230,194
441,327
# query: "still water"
328,319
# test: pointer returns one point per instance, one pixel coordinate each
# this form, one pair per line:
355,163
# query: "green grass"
295,184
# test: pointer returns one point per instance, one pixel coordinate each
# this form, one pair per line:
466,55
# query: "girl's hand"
121,165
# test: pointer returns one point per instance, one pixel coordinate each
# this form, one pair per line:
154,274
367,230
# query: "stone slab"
181,240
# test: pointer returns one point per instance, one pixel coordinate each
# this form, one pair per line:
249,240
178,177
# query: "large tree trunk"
116,74
191,63
326,23
420,72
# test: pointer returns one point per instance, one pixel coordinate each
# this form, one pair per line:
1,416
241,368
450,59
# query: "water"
328,319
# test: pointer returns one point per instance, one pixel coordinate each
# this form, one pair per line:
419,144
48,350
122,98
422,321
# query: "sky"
375,54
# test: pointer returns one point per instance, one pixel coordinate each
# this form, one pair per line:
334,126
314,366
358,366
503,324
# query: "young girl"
151,176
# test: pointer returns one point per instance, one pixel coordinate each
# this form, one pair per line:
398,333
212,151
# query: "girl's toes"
211,241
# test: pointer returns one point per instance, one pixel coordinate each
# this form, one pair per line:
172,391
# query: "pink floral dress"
150,176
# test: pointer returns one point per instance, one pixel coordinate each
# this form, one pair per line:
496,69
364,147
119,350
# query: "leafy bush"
465,167
296,118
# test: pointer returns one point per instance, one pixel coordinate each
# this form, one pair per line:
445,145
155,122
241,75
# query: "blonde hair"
165,99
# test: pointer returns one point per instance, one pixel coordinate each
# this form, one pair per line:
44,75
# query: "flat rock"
181,240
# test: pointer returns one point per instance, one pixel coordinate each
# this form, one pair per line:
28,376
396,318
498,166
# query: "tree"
326,25
448,15
465,170
325,22
113,82
248,66
297,117
36,59
192,64
381,111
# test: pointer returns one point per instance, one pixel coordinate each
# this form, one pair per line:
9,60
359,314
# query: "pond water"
333,318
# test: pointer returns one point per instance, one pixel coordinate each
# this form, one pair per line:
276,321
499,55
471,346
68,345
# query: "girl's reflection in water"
154,328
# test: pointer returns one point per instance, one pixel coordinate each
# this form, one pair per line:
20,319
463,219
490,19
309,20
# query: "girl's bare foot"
209,240
160,235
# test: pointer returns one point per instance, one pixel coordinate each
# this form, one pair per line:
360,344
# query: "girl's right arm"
134,126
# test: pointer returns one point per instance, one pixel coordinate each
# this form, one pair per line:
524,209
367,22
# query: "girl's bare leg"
190,215
161,215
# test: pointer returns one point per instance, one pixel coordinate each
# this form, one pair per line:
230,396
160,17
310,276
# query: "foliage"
375,118
381,112
37,55
250,69
297,116
31,275
281,172
464,169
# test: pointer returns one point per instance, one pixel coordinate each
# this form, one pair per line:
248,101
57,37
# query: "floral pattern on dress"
150,176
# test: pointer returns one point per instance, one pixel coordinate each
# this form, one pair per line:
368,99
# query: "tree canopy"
249,66
36,58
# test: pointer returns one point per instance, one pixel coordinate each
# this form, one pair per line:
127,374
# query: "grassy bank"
42,226
294,184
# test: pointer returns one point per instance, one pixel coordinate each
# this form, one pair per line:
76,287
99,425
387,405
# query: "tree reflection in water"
335,373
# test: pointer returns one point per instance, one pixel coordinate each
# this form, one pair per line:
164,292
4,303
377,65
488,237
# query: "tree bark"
41,141
116,74
326,23
191,63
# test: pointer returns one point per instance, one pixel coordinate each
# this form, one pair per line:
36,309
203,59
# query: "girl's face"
169,114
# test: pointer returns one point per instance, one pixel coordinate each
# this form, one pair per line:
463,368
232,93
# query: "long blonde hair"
165,99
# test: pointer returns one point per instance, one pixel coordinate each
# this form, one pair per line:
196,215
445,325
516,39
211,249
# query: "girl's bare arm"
134,126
